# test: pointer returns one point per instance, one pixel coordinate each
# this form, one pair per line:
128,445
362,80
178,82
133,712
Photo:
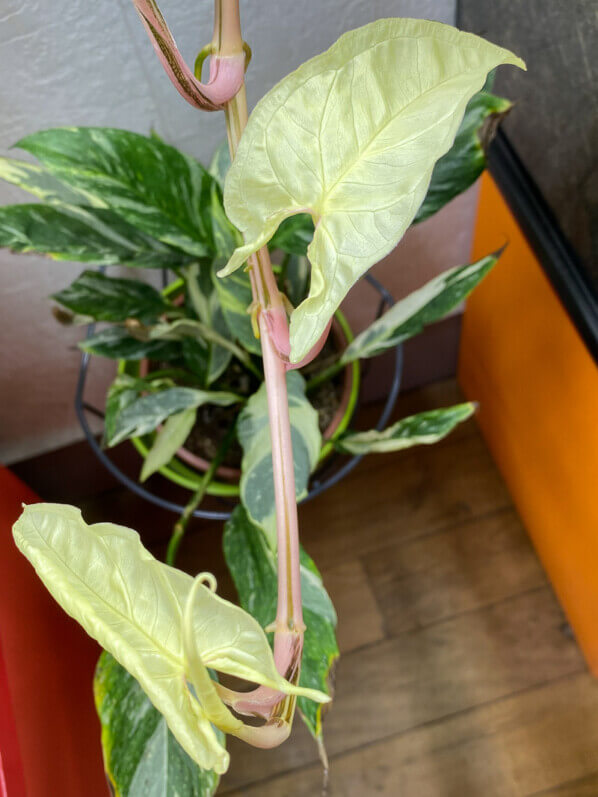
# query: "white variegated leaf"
352,137
133,605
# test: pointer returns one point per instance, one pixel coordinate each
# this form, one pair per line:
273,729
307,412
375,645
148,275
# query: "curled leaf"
133,606
226,72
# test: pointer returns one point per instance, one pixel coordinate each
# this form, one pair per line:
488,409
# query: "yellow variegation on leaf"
352,137
133,605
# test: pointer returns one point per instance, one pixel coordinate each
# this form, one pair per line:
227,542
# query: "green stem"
325,376
180,526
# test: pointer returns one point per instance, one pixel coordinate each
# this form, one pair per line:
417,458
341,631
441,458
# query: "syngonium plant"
335,163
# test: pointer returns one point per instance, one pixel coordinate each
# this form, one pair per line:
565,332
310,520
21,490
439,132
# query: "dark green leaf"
422,307
422,429
294,234
141,756
196,354
296,284
86,235
116,343
150,184
466,159
103,298
147,413
252,564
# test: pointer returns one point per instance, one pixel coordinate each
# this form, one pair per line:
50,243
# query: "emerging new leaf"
352,137
226,73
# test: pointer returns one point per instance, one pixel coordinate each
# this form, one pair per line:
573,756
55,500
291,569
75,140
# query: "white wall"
78,62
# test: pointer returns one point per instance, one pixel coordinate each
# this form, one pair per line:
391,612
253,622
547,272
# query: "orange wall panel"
523,360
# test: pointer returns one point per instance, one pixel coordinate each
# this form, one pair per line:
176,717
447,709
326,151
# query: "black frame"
538,223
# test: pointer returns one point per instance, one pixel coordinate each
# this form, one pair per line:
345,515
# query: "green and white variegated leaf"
82,234
146,413
352,137
133,606
117,344
252,564
156,188
466,159
428,304
424,428
103,298
41,183
123,391
253,431
168,441
141,756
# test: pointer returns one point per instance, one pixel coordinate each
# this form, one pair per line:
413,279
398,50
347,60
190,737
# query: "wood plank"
393,497
359,619
462,568
516,746
424,675
580,787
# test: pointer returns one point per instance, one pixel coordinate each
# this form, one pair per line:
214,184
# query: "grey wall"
555,125
77,62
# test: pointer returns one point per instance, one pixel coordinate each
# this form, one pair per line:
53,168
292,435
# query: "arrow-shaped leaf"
134,606
352,137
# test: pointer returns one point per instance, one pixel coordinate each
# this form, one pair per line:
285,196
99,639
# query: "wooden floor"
458,676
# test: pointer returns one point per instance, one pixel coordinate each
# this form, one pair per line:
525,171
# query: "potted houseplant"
329,167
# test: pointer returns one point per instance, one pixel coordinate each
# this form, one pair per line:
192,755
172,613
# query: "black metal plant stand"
321,481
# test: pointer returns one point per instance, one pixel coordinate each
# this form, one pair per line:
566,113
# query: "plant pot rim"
185,468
